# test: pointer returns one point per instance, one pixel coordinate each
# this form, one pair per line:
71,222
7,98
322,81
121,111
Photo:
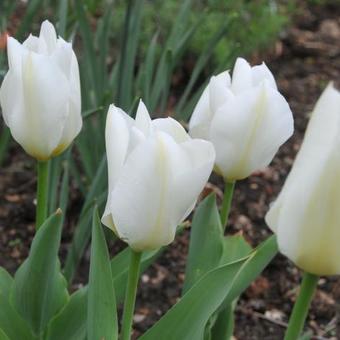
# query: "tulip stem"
130,295
302,304
226,203
42,193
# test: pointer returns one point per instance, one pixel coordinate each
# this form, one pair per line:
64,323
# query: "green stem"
302,304
42,193
130,296
228,195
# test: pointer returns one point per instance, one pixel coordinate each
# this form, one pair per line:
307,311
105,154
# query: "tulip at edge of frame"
306,214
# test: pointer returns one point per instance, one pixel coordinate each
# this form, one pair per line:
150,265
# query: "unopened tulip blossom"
40,95
306,215
245,117
156,172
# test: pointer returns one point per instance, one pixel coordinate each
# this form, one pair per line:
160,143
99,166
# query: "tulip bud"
306,215
156,172
245,117
40,95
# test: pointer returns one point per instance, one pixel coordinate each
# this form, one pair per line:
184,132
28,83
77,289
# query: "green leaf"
101,309
187,319
39,290
11,324
6,281
206,242
130,37
3,336
70,323
258,260
234,248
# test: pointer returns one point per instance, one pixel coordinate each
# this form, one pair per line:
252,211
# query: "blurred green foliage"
257,23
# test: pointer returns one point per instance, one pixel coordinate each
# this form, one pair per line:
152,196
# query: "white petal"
46,92
117,142
32,43
191,176
242,76
11,97
15,53
172,128
64,57
199,124
261,73
49,36
248,130
143,120
219,90
140,199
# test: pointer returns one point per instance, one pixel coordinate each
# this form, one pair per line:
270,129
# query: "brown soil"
303,60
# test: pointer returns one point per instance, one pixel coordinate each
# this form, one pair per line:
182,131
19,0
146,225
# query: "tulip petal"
15,54
242,76
261,73
219,90
32,43
190,176
45,114
248,131
200,120
143,120
140,198
49,36
11,108
117,142
172,128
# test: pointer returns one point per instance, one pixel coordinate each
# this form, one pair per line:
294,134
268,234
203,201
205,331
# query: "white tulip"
245,117
306,215
40,95
156,172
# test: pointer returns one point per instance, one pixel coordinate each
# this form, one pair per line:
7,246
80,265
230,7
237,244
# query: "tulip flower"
40,95
245,117
306,215
156,172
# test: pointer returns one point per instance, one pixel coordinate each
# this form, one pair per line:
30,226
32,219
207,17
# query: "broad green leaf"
187,319
101,308
3,336
11,324
258,260
39,289
70,323
6,282
235,247
206,242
